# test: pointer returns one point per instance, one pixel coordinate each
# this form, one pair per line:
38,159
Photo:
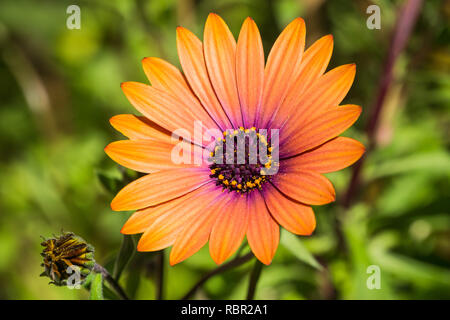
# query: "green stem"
113,283
254,277
160,276
229,265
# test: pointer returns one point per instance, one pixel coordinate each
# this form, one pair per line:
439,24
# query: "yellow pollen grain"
220,177
239,186
233,183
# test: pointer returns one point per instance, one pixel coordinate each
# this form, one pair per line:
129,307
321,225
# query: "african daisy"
227,85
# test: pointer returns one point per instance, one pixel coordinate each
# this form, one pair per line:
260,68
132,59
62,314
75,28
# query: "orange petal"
166,77
305,186
334,155
159,187
142,219
293,216
263,233
219,48
165,229
249,71
162,108
285,54
319,130
229,229
195,233
135,127
325,94
148,156
314,62
190,51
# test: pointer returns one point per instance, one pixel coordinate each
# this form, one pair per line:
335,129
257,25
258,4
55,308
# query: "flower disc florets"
242,160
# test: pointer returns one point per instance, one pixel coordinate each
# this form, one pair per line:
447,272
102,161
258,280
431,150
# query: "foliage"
59,87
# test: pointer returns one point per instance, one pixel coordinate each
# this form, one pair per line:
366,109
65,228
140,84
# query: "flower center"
242,160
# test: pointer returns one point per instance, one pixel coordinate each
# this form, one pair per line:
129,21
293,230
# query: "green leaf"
436,162
110,182
403,267
109,294
97,288
126,252
296,247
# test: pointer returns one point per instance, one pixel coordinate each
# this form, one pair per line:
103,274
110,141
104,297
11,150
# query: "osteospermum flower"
227,85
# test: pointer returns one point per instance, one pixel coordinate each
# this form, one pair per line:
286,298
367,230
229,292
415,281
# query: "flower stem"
254,277
107,276
229,265
405,22
160,276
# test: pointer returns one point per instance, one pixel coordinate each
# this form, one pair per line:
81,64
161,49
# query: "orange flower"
228,86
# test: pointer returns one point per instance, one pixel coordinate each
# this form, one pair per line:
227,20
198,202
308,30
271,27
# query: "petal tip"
117,203
300,22
141,246
147,60
328,39
180,30
266,260
172,263
126,85
114,205
114,119
217,259
174,259
125,230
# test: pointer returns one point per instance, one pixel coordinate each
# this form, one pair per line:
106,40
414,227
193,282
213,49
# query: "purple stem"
407,17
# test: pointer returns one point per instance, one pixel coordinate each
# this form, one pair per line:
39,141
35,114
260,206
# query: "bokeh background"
59,87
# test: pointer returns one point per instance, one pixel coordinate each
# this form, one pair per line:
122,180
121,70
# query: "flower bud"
65,256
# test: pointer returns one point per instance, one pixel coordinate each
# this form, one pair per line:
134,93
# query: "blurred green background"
59,87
